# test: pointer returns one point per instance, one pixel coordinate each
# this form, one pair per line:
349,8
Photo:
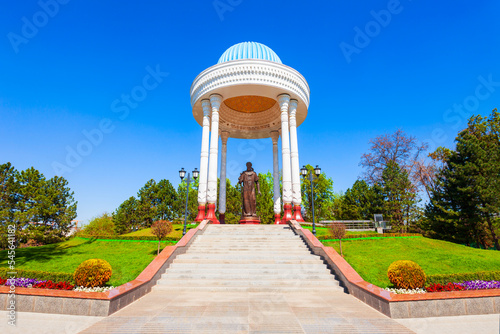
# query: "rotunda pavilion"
249,94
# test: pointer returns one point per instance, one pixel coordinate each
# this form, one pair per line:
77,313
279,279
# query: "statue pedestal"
250,220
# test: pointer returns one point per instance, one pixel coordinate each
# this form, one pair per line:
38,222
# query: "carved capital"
224,135
205,104
293,107
275,135
284,101
215,100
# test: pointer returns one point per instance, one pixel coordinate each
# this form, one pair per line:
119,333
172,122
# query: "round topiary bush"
406,275
92,273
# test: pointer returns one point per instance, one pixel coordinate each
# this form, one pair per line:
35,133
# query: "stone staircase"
248,258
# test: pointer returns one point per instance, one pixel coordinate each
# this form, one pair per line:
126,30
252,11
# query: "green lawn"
176,231
371,258
127,258
324,231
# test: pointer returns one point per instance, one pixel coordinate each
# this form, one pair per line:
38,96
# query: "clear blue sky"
424,67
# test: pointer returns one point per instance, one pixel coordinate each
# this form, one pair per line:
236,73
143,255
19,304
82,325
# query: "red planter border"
398,305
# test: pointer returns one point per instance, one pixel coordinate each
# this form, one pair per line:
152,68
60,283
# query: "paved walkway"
248,279
39,323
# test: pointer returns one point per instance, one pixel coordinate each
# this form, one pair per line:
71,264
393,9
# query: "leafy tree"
192,200
100,225
361,201
323,196
147,204
399,148
233,203
166,198
399,195
161,228
338,232
8,192
265,204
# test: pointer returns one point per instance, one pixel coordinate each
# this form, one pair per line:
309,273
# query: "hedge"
127,237
372,236
462,277
39,275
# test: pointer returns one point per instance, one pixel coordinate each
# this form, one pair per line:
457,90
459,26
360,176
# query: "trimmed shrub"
462,277
101,225
384,235
130,237
39,275
406,275
92,273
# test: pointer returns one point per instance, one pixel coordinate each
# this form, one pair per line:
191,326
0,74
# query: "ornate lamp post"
182,174
317,172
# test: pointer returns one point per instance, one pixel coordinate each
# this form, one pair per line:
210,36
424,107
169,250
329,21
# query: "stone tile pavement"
247,312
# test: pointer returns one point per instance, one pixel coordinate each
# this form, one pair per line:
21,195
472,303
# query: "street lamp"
182,174
317,172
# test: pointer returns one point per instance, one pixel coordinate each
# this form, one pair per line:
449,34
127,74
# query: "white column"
294,155
215,101
202,188
284,101
222,190
276,174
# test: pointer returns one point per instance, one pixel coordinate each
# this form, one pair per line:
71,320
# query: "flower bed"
480,285
48,284
436,287
405,291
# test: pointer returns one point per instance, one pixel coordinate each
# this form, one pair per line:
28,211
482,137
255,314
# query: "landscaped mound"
406,275
93,273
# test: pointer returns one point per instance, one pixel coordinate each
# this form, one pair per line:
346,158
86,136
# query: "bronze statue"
249,179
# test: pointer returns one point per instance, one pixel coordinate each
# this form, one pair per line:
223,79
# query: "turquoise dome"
249,50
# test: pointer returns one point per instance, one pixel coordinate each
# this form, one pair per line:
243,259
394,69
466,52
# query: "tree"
323,196
399,196
361,201
338,232
465,204
8,192
265,203
126,217
147,204
192,200
399,148
100,225
161,228
166,198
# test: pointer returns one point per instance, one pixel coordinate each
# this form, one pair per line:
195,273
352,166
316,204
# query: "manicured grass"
325,231
371,258
176,231
127,259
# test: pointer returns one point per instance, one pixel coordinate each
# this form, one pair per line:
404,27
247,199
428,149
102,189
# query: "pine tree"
466,202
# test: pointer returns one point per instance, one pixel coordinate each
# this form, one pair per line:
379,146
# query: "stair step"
246,276
301,289
248,283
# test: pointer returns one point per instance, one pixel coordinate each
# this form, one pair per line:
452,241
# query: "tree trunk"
493,234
